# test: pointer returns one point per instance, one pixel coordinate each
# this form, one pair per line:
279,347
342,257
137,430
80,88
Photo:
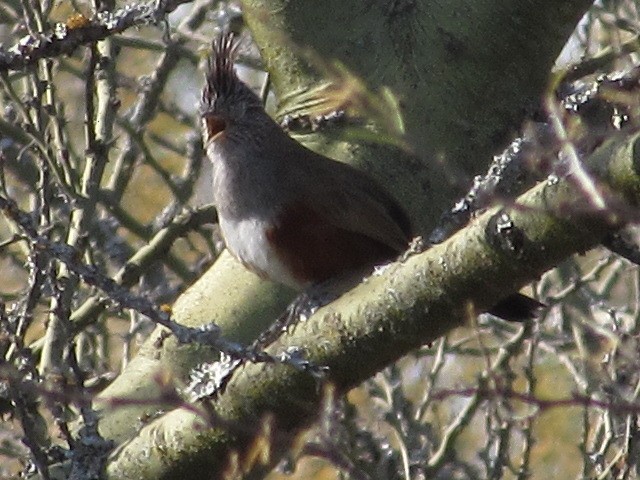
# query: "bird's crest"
221,78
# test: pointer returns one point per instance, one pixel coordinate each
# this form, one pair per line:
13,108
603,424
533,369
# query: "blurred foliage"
440,413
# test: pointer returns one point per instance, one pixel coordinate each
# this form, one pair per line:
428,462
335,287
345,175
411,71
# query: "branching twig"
65,38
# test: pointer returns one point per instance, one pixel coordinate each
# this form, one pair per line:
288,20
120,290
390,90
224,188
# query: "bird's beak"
214,126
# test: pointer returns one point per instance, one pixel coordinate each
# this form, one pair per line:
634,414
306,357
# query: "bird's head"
227,103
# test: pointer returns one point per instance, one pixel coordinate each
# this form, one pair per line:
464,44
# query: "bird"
287,213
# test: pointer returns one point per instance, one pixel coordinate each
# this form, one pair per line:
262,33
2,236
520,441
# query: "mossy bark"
409,304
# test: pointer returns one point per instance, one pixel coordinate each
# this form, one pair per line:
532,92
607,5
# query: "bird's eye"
214,125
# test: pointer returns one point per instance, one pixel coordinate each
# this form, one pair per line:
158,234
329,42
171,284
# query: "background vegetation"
105,223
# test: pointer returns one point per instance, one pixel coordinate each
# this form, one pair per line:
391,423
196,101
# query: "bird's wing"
353,201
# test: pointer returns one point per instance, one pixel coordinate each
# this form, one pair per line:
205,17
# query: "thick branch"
464,72
411,303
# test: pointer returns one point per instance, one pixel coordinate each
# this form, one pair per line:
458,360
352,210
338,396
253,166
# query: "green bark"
465,72
409,304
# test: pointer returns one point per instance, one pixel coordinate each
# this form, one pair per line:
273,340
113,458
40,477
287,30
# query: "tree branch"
79,30
409,304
